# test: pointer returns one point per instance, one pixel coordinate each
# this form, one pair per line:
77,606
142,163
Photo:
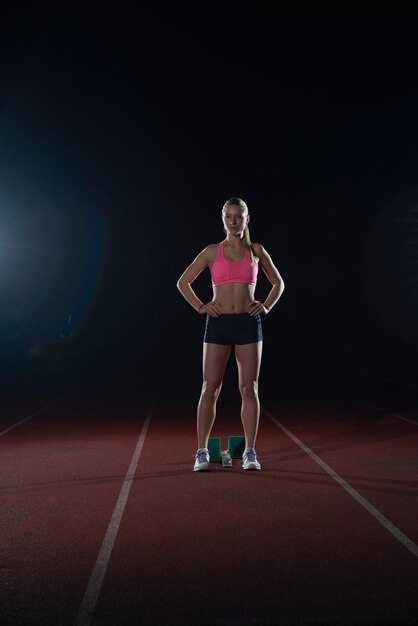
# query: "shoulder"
210,251
259,250
263,255
207,255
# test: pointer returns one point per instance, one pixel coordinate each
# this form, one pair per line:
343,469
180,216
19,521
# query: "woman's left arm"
272,273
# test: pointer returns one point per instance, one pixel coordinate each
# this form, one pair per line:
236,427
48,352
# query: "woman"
233,317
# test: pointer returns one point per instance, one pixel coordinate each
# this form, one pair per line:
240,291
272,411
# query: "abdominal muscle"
234,297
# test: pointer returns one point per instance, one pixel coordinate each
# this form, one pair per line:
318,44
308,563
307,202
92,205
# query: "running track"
104,522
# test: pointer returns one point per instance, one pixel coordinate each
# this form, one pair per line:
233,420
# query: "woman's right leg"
215,359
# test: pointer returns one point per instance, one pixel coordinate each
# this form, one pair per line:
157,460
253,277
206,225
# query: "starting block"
214,447
216,454
236,446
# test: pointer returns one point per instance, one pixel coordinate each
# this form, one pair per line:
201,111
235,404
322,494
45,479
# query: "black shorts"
233,328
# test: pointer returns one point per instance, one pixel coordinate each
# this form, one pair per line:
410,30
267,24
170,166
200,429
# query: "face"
235,219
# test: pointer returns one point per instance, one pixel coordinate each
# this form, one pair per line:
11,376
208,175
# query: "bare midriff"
234,297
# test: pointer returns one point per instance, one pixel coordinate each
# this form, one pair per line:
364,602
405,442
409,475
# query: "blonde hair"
239,202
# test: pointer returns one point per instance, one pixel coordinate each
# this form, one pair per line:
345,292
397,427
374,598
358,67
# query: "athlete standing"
233,317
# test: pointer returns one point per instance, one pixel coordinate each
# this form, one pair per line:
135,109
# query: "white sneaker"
249,460
201,460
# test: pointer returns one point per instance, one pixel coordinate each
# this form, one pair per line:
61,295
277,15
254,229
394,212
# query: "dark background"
122,133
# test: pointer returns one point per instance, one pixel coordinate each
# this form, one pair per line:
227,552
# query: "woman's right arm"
190,274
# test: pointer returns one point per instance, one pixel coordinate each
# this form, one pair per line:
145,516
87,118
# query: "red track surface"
287,545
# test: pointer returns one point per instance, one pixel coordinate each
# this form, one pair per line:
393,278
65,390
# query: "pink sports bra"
224,271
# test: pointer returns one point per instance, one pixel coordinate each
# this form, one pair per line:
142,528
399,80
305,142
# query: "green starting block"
214,447
217,455
236,446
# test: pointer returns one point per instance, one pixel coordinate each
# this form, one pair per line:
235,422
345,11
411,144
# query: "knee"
249,389
211,389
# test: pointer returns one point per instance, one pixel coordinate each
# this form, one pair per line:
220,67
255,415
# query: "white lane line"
91,595
396,532
25,419
381,408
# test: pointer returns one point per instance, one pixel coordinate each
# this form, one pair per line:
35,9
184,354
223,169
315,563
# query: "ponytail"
249,243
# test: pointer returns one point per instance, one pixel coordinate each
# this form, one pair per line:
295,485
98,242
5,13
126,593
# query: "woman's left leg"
248,357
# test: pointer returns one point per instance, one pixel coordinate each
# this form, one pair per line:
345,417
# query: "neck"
235,241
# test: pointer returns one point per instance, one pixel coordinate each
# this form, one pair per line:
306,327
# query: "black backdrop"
123,131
